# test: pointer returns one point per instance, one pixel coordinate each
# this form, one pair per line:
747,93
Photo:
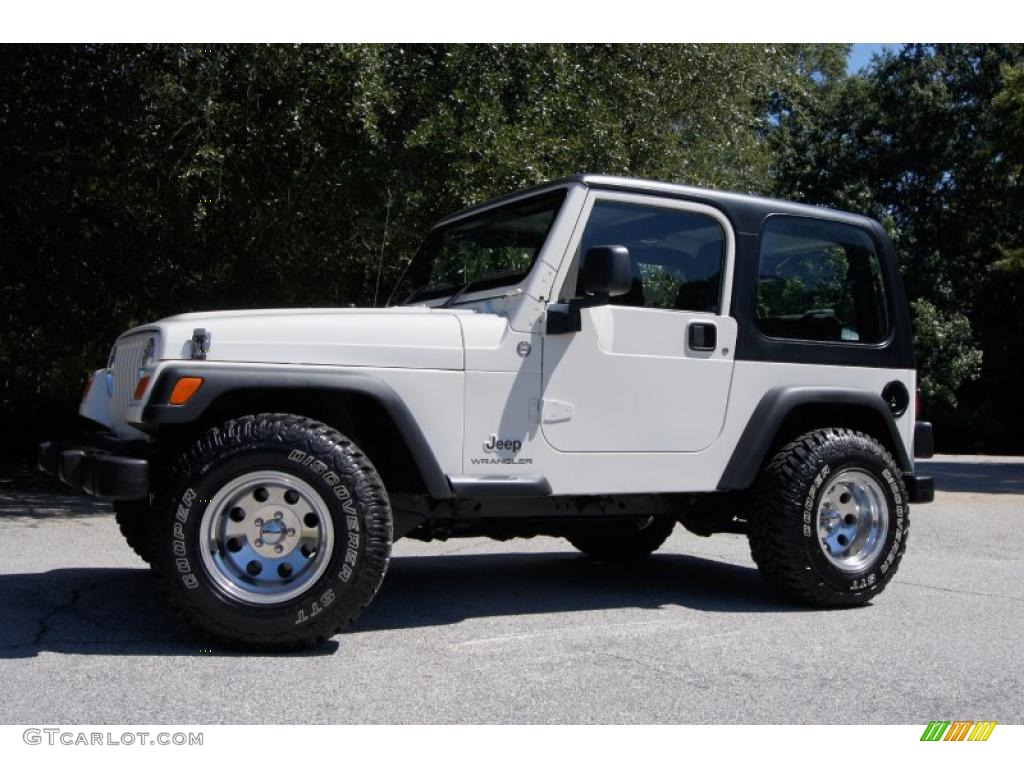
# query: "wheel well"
806,417
356,415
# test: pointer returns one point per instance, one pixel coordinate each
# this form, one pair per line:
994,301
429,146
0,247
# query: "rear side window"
820,281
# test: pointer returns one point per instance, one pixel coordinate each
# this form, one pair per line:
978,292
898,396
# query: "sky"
860,54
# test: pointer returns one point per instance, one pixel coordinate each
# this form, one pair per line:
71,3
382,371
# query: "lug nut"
279,549
254,568
259,542
291,496
237,514
278,515
291,531
259,521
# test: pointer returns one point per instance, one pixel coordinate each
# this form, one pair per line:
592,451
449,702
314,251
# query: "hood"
396,337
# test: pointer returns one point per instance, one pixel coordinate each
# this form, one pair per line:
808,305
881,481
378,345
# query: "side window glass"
820,281
677,255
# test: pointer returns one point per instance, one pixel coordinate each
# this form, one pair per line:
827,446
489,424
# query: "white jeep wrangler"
596,358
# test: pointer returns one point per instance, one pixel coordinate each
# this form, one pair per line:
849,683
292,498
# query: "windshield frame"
557,196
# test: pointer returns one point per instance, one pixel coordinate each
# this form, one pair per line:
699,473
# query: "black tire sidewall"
134,519
625,542
841,453
342,589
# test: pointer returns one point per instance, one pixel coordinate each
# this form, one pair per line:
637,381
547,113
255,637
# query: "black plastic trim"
896,352
920,489
222,378
924,440
499,486
757,438
97,472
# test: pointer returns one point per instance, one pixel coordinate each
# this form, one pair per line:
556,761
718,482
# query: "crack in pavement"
44,627
44,620
961,591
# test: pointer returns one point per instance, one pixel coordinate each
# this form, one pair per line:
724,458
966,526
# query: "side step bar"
499,486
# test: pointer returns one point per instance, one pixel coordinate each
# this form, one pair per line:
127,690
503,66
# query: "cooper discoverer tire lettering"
829,518
275,532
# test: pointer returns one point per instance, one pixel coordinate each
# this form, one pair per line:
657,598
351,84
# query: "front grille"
127,360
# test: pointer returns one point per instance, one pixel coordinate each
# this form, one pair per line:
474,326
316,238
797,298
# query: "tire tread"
777,497
224,441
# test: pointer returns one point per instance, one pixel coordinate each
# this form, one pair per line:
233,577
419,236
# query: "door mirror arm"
566,318
605,272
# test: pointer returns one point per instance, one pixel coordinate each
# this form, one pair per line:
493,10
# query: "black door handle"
703,337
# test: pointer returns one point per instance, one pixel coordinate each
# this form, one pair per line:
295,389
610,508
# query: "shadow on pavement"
446,589
104,611
975,477
45,504
114,611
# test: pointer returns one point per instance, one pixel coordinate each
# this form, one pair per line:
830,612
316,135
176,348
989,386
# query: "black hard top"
745,211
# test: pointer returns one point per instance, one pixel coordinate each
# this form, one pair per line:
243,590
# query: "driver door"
651,370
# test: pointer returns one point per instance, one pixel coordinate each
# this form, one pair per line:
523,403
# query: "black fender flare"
221,379
752,449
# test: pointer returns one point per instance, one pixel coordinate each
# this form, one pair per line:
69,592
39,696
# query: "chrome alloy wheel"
266,537
853,520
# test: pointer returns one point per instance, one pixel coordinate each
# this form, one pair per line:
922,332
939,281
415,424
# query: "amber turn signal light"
184,389
140,388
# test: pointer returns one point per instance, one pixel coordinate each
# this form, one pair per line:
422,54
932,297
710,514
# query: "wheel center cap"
273,531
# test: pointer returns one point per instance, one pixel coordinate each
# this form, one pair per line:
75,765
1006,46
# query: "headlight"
142,375
148,352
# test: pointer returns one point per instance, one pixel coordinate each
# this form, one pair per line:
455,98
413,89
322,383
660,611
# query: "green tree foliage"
1009,121
141,181
946,355
928,140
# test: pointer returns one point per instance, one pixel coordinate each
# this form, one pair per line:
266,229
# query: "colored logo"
958,730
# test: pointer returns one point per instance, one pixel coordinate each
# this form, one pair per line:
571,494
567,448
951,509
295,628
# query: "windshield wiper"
457,295
466,287
423,289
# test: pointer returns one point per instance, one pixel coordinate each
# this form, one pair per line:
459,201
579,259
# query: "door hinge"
554,411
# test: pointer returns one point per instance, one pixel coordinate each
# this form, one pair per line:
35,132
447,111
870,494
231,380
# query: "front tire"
134,519
830,519
275,532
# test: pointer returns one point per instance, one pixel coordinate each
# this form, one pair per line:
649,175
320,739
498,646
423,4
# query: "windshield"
488,250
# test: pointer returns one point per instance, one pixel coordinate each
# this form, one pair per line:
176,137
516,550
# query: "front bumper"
108,472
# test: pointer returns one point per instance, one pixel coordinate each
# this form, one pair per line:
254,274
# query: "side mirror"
606,271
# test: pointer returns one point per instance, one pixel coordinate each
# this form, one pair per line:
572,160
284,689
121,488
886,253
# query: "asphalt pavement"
528,631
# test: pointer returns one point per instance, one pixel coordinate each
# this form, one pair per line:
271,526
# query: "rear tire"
275,533
829,518
622,541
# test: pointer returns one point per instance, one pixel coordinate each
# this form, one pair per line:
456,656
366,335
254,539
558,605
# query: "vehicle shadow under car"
114,611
